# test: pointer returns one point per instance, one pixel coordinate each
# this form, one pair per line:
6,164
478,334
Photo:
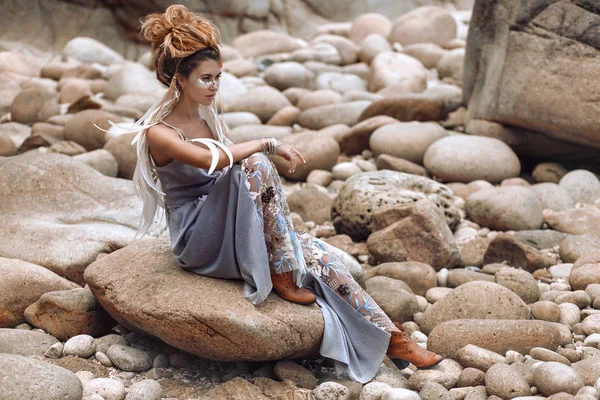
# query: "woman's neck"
185,110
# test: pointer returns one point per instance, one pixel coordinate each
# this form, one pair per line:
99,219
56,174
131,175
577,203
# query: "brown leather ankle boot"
403,348
285,287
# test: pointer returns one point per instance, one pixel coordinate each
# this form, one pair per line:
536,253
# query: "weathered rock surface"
506,208
365,194
23,283
25,343
393,298
495,335
505,248
27,378
76,214
523,91
68,313
475,300
413,232
506,382
576,221
420,277
138,296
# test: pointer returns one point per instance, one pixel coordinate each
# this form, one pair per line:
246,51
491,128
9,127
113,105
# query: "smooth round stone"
406,140
27,378
506,208
400,394
520,282
586,270
331,391
103,359
235,119
88,50
446,373
471,377
569,314
296,373
345,170
553,196
560,270
464,158
56,351
591,324
539,353
546,311
583,186
374,390
478,357
109,389
81,346
104,342
426,24
506,382
147,389
579,297
435,294
549,172
289,74
592,340
442,277
391,376
129,359
498,335
553,377
474,300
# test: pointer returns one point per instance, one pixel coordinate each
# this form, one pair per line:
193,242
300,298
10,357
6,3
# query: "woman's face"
203,83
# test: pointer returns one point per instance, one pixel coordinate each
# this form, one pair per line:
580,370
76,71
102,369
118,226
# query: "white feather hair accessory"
146,184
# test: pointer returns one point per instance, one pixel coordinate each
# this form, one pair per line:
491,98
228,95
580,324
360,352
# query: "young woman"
226,210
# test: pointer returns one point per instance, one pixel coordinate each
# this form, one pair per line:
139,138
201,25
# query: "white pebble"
331,391
85,377
81,346
109,389
147,389
400,394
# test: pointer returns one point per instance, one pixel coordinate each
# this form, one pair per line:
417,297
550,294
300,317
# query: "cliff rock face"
535,65
50,24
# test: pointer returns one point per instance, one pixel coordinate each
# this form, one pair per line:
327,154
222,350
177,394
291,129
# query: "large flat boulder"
143,288
518,54
74,213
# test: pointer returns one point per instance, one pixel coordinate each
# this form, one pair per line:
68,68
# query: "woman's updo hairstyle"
180,41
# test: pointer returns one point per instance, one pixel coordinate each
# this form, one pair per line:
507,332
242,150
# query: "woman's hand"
289,154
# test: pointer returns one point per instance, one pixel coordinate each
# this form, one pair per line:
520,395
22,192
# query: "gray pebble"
129,359
55,351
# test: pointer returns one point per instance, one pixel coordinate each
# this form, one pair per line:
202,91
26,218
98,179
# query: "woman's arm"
166,141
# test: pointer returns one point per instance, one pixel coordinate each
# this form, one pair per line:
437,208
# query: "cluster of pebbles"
496,268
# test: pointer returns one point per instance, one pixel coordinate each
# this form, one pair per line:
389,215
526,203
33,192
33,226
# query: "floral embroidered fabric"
289,250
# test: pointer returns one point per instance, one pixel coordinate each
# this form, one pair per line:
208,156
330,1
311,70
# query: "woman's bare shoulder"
160,133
